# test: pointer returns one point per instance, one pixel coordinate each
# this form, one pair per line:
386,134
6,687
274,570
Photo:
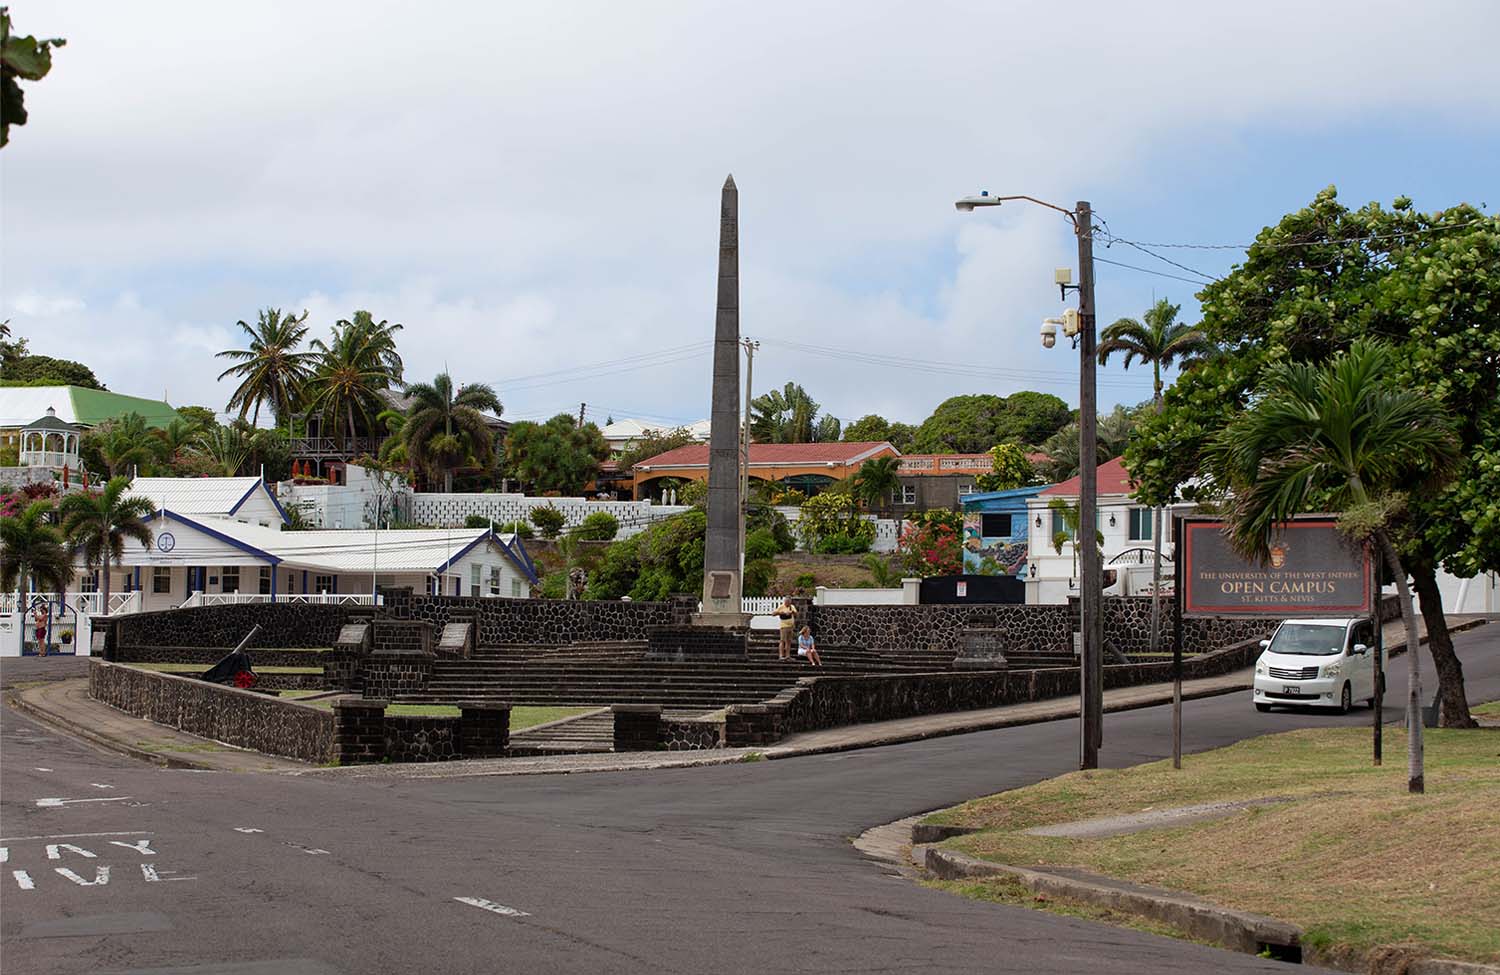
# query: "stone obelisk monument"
721,557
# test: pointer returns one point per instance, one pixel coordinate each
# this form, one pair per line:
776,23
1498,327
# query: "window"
89,582
229,579
965,489
1141,520
908,494
265,580
474,570
161,580
515,589
324,584
494,580
1060,526
995,526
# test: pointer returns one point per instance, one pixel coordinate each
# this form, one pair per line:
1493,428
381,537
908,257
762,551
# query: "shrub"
760,544
520,528
807,581
599,526
759,574
555,585
549,521
477,521
845,544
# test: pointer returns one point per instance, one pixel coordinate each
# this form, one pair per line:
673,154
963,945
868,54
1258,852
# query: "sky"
532,189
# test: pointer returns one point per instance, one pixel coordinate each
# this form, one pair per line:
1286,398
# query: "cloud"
43,306
531,188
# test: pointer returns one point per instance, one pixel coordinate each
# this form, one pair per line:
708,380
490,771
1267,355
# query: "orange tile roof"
777,454
1112,479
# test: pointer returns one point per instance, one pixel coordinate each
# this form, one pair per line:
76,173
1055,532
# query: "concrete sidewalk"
66,705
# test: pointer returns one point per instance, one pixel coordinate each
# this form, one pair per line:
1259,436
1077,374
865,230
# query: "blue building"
995,531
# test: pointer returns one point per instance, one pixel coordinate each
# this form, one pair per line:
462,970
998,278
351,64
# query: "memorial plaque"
1313,570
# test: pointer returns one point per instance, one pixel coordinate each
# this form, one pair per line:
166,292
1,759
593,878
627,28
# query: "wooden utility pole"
1091,589
750,347
582,408
1379,651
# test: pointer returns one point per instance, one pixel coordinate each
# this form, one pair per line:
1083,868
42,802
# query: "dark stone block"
637,727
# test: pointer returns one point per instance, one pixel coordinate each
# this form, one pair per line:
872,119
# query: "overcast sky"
533,188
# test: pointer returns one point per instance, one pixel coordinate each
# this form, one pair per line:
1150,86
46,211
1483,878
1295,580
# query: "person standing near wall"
786,616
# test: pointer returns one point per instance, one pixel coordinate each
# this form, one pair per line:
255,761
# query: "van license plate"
1293,691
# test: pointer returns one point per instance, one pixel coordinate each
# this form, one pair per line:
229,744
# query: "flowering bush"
930,544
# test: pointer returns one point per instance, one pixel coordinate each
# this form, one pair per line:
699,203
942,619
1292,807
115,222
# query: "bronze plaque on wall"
1313,571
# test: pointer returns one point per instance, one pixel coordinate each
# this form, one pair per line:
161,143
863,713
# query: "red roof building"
1113,479
806,466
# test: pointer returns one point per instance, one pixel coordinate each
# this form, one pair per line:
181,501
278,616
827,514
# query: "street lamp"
1079,325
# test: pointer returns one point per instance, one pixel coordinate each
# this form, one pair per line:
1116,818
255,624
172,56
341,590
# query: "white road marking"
40,769
4,854
74,836
101,876
54,803
23,880
491,906
54,851
153,875
101,785
247,829
308,849
143,847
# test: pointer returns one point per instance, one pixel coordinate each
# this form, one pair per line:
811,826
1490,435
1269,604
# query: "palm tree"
444,428
271,369
1072,516
126,442
876,479
1338,437
357,362
227,447
393,451
100,522
177,437
1159,340
789,415
30,548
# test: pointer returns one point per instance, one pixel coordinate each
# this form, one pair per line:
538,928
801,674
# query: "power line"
1146,270
1279,245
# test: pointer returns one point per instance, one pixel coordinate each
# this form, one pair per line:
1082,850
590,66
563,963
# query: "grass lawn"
1490,710
520,717
1352,859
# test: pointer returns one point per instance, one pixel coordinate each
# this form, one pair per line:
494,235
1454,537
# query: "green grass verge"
1490,710
1353,859
520,717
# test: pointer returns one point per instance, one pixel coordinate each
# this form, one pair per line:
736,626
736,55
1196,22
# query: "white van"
1317,663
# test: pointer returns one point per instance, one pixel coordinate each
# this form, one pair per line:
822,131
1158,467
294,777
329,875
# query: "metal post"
1379,652
1091,595
750,347
1177,574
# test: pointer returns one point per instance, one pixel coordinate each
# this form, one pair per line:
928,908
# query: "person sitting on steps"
806,647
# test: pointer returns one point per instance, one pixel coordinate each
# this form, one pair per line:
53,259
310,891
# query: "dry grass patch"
1353,859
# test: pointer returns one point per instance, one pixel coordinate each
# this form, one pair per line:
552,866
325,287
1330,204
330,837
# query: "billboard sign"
1313,570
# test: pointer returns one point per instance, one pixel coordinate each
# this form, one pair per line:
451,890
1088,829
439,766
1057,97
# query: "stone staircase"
589,733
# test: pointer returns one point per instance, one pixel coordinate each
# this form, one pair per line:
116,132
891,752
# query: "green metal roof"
92,407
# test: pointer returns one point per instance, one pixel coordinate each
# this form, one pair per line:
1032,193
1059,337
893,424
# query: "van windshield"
1309,640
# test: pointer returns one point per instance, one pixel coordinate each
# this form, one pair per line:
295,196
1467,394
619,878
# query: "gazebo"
50,442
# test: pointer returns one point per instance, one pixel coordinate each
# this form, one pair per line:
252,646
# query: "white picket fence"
308,598
84,603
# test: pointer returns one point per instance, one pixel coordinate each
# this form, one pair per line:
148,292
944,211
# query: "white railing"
759,604
83,603
307,598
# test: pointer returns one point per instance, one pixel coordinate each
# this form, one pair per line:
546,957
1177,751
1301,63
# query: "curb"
1448,966
56,721
1249,933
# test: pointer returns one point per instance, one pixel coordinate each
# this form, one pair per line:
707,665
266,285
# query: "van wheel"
1346,699
1262,708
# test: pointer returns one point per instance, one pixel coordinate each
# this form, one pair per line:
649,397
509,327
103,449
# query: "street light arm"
969,203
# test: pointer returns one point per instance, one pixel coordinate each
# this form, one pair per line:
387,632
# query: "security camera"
1049,333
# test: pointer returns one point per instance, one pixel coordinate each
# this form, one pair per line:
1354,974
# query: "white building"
245,499
621,435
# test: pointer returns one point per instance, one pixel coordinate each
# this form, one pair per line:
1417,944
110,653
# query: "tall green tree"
1009,468
876,479
1157,339
21,59
654,442
31,548
558,455
125,443
354,366
273,368
873,427
1113,432
790,415
99,522
445,427
972,424
226,449
176,438
1319,279
1340,437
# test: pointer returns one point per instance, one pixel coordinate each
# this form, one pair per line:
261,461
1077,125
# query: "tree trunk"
1450,672
104,587
1414,773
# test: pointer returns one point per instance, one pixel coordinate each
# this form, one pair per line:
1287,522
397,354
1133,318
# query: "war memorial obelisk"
721,556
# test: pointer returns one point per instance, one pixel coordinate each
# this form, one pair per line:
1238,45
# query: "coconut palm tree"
876,479
444,427
1337,437
31,548
228,448
789,415
1159,339
176,438
357,362
271,370
126,442
99,522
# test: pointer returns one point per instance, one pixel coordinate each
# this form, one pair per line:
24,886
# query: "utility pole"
1091,595
582,407
750,347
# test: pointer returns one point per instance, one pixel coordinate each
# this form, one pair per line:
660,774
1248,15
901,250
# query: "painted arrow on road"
54,803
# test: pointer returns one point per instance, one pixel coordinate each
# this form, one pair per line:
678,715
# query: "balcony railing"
342,447
309,598
83,603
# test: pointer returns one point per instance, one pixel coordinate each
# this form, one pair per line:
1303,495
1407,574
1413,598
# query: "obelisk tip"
729,182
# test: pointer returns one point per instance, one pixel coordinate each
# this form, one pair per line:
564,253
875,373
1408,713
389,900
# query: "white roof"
195,495
395,549
629,429
20,405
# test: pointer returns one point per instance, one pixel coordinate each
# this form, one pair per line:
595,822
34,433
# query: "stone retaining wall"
1030,629
533,622
281,625
208,656
241,718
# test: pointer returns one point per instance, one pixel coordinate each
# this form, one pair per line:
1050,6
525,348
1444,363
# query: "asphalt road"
739,868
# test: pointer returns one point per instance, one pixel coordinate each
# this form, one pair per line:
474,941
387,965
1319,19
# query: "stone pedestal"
637,727
358,730
483,729
697,642
980,649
